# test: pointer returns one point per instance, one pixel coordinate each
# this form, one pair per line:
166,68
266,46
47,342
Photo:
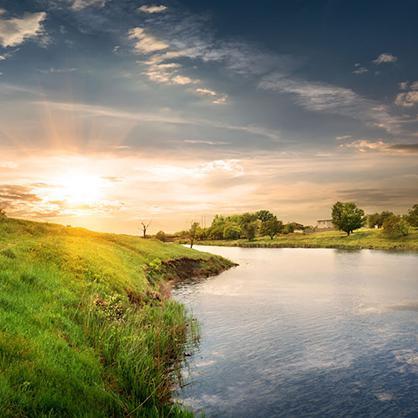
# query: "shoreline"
364,239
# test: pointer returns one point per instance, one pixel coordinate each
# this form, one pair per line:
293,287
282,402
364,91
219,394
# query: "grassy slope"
364,238
84,328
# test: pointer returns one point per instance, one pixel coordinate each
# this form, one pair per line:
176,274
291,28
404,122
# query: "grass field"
363,238
86,328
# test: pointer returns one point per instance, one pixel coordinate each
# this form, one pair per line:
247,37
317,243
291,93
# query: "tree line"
346,216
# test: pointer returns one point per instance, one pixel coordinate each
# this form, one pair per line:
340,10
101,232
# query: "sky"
113,112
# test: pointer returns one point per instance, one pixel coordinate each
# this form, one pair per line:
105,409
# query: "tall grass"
83,332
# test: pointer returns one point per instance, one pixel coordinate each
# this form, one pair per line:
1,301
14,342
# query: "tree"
377,219
232,231
144,226
347,217
193,232
271,227
395,227
2,213
161,236
412,216
265,215
249,230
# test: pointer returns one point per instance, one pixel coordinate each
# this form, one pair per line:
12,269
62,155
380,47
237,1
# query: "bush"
2,213
232,231
161,236
395,227
412,216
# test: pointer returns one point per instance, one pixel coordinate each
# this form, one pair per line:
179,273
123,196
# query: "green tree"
249,230
412,216
347,217
232,231
161,236
271,227
377,219
265,215
395,227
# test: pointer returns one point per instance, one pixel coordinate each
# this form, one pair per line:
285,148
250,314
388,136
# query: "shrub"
412,216
161,236
232,231
395,227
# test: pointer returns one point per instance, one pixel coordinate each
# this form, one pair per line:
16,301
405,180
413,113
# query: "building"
324,224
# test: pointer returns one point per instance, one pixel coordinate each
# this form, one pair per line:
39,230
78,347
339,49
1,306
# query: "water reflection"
303,332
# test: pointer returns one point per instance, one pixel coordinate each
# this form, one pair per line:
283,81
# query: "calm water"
306,333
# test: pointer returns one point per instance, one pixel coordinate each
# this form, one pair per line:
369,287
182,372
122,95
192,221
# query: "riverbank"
361,239
87,326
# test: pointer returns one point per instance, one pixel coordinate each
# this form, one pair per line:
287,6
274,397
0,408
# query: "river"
305,333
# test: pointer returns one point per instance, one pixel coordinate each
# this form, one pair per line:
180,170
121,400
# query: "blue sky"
281,104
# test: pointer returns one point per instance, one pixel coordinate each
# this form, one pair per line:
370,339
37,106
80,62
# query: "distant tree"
347,217
271,227
161,236
412,216
216,230
265,215
144,226
249,230
193,233
288,228
377,219
232,231
2,213
395,227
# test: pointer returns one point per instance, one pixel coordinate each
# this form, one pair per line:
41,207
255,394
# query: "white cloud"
366,145
407,99
153,9
385,58
16,30
82,4
2,12
217,97
145,43
360,69
205,92
342,137
403,85
323,97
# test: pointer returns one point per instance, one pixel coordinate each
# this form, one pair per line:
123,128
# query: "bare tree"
144,227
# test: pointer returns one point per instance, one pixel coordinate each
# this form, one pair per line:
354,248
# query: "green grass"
363,238
85,327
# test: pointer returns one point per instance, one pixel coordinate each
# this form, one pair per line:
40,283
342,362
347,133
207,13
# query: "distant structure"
324,224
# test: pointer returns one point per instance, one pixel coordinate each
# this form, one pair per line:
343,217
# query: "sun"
79,188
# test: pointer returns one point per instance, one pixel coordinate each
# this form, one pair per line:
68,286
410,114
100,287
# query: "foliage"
232,231
161,236
249,230
412,216
395,227
2,213
265,215
347,217
271,227
377,219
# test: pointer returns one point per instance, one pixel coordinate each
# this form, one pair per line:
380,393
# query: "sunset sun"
80,188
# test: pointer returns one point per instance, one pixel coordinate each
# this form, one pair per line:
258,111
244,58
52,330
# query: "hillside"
86,325
360,239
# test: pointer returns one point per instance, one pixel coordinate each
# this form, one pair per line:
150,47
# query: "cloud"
217,97
15,31
407,99
342,137
379,145
82,4
10,193
359,69
145,43
385,58
153,9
